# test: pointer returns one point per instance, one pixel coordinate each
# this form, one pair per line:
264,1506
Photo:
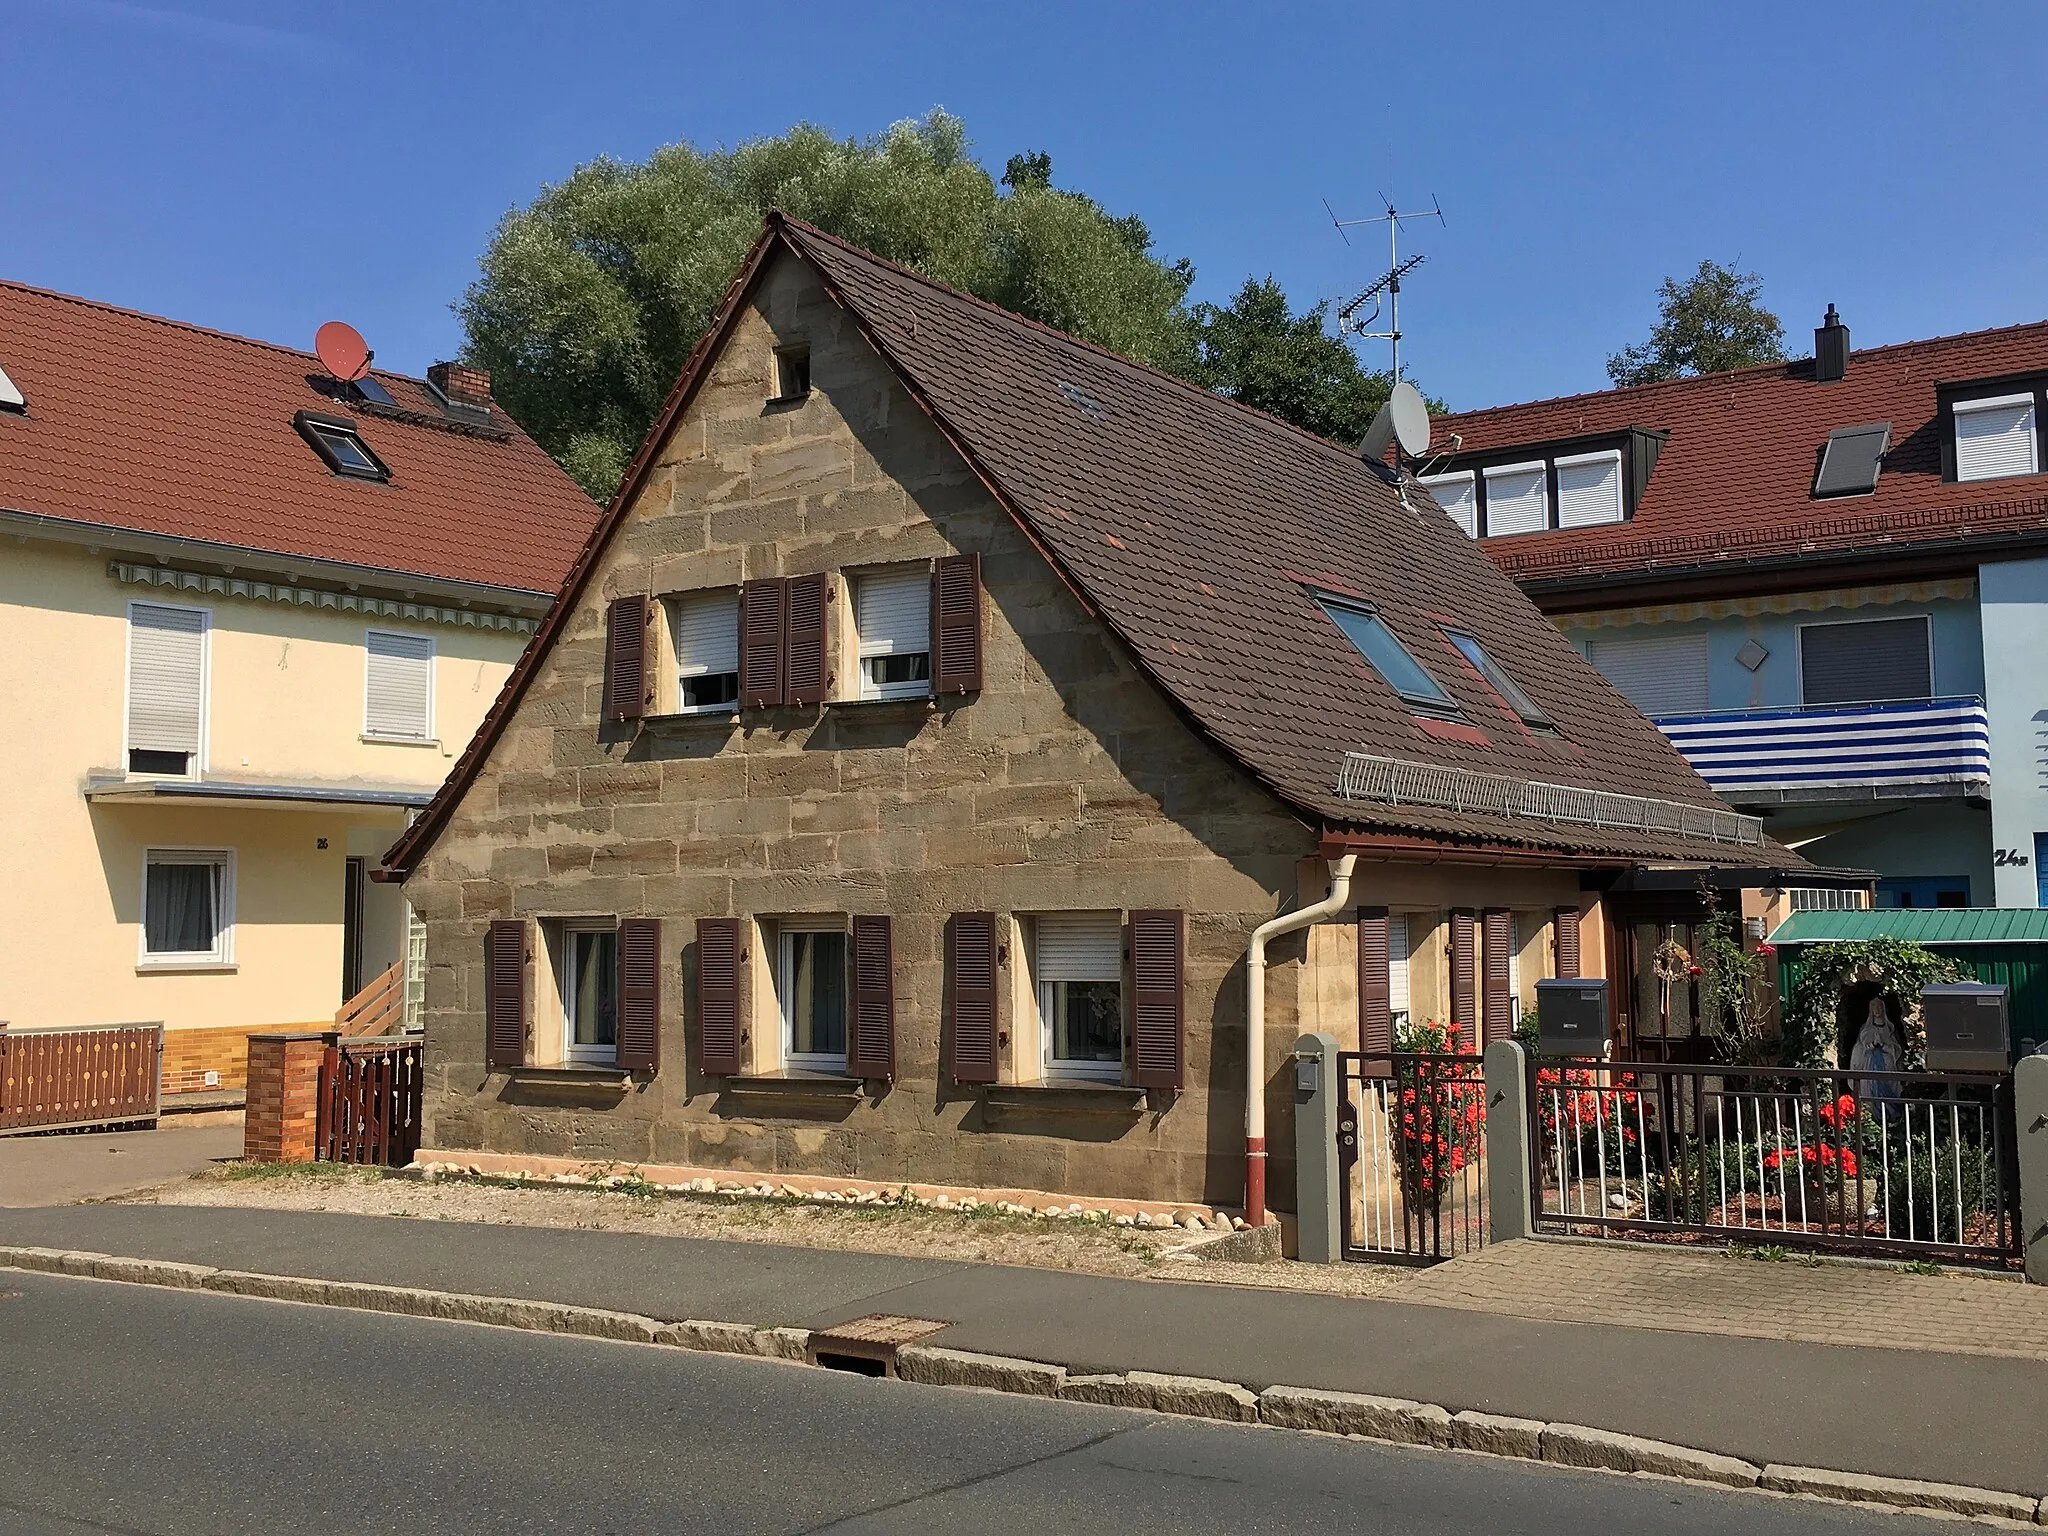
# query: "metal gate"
1411,1145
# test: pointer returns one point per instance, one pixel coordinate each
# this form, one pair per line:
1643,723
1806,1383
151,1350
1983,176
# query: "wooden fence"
370,1102
64,1079
379,1009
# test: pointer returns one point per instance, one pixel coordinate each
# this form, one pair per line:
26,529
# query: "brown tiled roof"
1734,482
140,423
1195,527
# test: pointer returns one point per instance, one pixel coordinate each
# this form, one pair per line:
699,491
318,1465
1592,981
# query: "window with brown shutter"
764,617
719,1042
625,659
639,1029
971,964
804,656
1158,983
1565,924
956,624
505,993
1464,975
871,1041
1500,942
1375,983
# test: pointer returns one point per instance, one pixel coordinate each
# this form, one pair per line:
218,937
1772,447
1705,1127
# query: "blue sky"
261,168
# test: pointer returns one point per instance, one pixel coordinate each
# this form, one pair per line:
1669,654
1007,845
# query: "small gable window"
1512,694
337,442
792,373
1389,657
706,626
1996,438
1851,461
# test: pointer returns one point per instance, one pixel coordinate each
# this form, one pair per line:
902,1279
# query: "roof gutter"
1338,898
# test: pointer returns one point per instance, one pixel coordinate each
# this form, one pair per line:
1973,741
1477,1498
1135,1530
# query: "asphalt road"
131,1409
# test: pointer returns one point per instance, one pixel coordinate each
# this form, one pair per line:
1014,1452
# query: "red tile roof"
140,423
1734,482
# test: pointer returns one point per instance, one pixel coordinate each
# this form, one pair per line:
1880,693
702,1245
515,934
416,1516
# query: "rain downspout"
1255,1024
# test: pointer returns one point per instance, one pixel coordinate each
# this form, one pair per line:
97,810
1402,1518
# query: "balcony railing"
1924,746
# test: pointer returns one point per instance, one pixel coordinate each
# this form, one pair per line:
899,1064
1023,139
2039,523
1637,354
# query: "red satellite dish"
342,350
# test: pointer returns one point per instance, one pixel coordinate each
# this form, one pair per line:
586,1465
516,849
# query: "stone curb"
1354,1415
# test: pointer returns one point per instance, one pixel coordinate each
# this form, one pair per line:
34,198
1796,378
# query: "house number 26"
2002,857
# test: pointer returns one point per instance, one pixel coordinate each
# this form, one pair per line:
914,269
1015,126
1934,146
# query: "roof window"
11,397
1389,657
336,440
1851,461
1512,694
369,389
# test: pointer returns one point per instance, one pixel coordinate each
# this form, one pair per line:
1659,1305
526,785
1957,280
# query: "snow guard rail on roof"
1393,781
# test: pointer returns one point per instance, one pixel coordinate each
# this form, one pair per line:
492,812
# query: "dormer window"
1517,498
1389,657
11,397
1580,482
337,442
1997,437
1589,489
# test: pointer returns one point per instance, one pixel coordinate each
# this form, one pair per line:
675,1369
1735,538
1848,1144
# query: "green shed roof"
1929,925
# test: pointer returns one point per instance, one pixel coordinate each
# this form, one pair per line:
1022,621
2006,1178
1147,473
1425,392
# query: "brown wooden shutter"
640,994
871,1037
718,997
971,960
764,619
804,667
956,624
1565,924
1158,985
1500,943
1375,983
505,994
1464,977
625,659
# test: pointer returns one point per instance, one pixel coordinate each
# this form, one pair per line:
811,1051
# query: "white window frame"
786,930
1400,968
573,1053
688,670
1961,408
871,649
1799,653
1467,483
1059,1069
197,766
221,957
1541,469
427,738
1611,456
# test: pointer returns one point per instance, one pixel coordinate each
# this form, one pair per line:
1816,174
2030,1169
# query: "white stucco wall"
2014,594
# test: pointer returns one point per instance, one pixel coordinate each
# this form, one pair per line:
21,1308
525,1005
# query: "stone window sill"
401,741
186,968
798,1085
1071,1095
575,1076
710,722
885,709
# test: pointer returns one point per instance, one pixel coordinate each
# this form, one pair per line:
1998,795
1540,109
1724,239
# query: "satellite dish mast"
1388,288
342,351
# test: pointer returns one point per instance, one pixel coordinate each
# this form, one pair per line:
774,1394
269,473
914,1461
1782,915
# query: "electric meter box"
1571,1016
1968,1028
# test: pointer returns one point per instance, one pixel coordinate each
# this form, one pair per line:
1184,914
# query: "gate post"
2030,1122
1318,1181
1508,1191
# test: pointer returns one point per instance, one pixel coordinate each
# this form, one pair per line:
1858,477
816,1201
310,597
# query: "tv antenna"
1386,293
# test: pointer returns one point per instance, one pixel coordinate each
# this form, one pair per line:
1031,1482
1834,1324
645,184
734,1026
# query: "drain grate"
866,1346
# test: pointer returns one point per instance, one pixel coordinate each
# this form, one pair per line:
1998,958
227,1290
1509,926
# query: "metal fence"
64,1079
1899,1164
369,1100
1411,1142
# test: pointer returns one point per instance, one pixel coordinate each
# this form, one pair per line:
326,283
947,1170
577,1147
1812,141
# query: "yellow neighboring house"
248,615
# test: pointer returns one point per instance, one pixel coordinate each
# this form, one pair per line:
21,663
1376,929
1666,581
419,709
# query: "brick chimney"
460,382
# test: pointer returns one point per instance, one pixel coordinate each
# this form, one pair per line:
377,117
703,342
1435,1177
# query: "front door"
352,930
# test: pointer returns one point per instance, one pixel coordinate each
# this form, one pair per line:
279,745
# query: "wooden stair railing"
379,1009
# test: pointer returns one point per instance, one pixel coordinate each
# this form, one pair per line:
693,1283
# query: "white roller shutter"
1589,489
1397,962
1080,946
1457,495
1517,499
1661,674
707,631
892,611
166,677
399,686
1996,438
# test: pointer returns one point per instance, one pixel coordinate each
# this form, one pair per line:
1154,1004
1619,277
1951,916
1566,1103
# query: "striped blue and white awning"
1930,741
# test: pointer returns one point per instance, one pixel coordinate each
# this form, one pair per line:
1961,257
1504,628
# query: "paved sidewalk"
56,1170
1900,1413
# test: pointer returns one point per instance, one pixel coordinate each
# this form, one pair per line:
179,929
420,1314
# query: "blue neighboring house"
1826,581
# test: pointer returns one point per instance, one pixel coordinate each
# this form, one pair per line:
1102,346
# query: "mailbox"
1571,1016
1967,1027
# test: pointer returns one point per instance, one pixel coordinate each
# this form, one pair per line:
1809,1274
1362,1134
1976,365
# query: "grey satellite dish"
1403,419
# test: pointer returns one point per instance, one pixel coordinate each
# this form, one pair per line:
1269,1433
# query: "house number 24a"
2004,857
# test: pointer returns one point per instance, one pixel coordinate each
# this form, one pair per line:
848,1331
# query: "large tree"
592,296
1258,351
1713,321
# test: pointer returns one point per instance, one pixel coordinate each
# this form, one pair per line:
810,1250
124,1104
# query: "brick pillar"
282,1117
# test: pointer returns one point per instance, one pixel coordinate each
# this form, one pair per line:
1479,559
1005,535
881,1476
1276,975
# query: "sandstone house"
898,782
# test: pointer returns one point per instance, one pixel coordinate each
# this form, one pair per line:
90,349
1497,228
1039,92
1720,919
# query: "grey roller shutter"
1661,674
1864,663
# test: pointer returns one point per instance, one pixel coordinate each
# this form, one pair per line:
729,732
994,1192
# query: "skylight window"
1389,657
370,390
1850,463
11,397
336,440
1533,714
